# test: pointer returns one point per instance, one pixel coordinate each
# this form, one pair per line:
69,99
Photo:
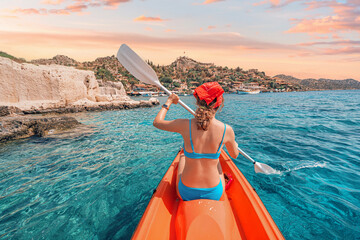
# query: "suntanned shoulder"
183,121
230,133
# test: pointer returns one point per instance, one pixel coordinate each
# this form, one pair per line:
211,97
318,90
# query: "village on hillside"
185,74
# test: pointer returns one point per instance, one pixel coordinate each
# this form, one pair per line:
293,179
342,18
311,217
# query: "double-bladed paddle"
143,72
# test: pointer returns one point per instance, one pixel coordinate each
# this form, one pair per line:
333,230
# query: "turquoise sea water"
96,183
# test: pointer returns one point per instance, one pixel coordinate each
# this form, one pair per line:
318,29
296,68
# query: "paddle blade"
136,66
263,168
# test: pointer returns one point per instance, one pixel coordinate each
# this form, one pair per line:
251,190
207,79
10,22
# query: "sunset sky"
300,38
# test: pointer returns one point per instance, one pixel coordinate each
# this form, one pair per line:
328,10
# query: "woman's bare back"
202,173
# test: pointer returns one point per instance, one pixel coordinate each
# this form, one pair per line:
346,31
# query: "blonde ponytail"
204,113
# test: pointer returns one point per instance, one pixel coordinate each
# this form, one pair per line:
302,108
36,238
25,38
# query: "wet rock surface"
16,127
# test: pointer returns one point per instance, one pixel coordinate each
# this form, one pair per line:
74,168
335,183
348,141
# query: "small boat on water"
239,214
248,91
133,93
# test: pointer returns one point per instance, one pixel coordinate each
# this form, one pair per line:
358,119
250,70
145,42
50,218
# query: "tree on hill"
132,82
166,80
104,74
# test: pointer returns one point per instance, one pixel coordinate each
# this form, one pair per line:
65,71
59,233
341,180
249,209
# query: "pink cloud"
321,25
170,30
211,27
78,6
345,18
212,1
275,3
335,36
345,50
344,42
315,36
142,18
59,11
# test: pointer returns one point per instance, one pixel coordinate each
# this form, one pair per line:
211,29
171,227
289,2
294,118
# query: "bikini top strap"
192,146
222,139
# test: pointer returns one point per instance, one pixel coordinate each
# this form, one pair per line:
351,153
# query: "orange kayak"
240,214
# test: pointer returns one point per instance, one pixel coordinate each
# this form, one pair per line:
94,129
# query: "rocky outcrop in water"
21,127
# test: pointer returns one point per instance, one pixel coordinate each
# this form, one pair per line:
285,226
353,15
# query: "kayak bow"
240,214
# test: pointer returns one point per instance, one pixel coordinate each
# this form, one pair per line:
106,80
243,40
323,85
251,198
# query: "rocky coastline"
16,123
31,94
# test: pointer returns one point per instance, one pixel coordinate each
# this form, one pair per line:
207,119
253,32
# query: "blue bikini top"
195,155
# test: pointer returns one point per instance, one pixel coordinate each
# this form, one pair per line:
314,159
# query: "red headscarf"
209,91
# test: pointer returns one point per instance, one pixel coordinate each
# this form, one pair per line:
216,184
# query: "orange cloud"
52,2
76,8
113,3
142,18
170,30
41,11
211,27
149,29
212,1
8,16
260,3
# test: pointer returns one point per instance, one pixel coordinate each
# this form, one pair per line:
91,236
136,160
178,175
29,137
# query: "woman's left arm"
161,123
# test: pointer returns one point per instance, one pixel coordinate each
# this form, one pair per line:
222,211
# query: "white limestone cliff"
29,86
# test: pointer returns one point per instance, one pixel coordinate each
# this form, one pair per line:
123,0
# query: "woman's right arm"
230,143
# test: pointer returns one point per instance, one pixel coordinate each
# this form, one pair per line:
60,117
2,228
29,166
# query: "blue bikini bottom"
189,193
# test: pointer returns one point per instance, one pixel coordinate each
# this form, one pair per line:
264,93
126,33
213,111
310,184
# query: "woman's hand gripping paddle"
143,72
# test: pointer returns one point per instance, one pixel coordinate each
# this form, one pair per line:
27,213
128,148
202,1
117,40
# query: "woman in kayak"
199,171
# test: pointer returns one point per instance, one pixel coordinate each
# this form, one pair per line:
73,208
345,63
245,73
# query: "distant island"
185,74
321,84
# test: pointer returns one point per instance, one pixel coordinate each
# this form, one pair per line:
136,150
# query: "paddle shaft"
180,102
193,113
